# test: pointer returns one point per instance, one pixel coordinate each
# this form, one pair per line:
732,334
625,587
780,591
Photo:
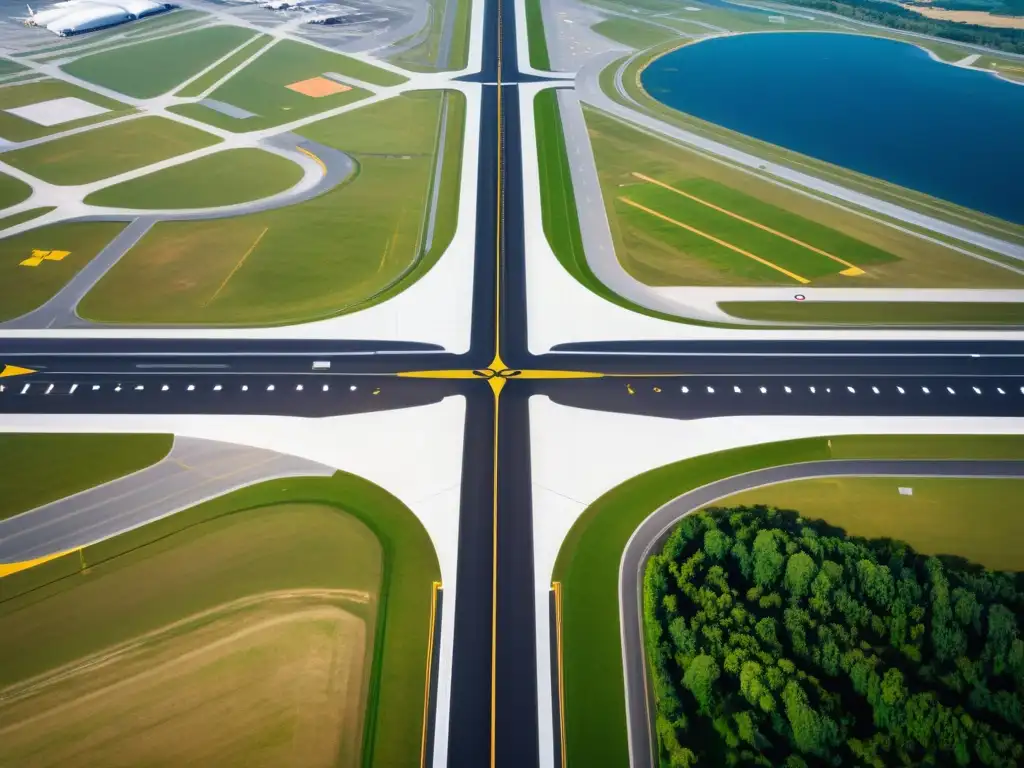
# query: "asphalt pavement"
655,529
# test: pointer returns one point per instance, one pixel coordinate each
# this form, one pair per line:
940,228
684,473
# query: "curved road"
655,529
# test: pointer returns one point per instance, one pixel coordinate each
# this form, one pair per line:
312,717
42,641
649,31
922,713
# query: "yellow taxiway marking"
6,569
712,238
238,266
315,159
15,370
390,244
430,658
38,257
850,271
556,587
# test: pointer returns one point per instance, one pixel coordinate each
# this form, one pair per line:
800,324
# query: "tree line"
778,641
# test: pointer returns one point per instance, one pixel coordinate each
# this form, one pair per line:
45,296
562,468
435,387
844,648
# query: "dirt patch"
318,87
277,680
982,18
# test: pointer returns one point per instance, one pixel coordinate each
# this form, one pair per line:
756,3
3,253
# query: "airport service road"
195,470
653,531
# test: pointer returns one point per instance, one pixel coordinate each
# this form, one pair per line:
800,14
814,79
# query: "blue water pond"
876,106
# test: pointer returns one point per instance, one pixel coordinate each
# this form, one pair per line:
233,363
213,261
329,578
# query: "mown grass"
538,45
109,151
209,555
153,67
338,252
19,218
14,128
879,312
12,191
224,178
632,32
588,565
23,289
209,79
40,468
932,519
660,253
8,67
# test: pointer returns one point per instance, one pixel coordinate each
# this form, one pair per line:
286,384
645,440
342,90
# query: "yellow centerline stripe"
852,269
714,239
238,266
318,161
430,657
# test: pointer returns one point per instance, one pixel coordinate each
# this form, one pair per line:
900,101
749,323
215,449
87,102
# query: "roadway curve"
655,529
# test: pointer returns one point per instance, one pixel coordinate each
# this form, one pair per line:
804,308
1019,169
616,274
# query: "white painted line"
977,390
164,388
217,387
25,388
49,389
73,388
926,390
191,387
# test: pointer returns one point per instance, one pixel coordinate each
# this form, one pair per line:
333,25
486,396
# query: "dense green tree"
800,572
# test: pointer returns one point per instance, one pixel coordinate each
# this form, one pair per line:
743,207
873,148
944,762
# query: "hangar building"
74,16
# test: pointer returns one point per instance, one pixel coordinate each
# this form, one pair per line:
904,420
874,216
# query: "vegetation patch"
776,640
634,33
879,313
40,468
23,289
224,178
14,128
12,191
535,35
20,218
109,151
209,79
338,252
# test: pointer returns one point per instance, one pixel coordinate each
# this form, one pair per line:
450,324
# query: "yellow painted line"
430,657
390,244
316,159
559,375
714,239
57,255
6,569
35,259
851,269
238,266
557,588
15,370
437,375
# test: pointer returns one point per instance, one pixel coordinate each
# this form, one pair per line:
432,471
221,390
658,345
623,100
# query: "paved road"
195,470
653,531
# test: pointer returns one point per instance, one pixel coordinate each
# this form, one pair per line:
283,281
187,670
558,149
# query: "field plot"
311,260
14,128
632,32
210,78
109,151
40,468
262,88
24,288
681,218
268,614
224,178
973,518
12,191
149,68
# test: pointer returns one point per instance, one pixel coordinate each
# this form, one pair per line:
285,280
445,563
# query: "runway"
654,530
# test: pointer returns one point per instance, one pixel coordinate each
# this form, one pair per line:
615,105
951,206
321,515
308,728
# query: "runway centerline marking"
712,238
850,271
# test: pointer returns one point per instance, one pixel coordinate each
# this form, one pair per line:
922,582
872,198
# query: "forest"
774,640
891,15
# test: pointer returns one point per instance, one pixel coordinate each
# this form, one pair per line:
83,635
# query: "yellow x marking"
38,257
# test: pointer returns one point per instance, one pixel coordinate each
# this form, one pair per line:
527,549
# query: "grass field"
535,36
304,262
40,468
12,191
933,519
876,312
588,565
261,88
681,218
209,79
632,32
225,178
23,216
109,151
875,187
23,289
149,68
314,536
14,128
425,57
140,28
8,67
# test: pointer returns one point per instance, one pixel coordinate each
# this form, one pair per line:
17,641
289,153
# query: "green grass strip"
208,80
535,36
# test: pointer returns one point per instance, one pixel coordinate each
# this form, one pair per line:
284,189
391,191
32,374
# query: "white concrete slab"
57,111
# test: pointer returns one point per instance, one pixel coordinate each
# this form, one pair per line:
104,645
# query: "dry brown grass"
275,680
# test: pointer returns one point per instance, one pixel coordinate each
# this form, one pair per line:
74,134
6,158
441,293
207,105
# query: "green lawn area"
535,36
225,178
23,289
632,32
149,68
879,313
932,519
209,79
40,468
18,218
588,565
292,534
659,252
12,191
109,151
335,253
14,128
8,67
261,88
